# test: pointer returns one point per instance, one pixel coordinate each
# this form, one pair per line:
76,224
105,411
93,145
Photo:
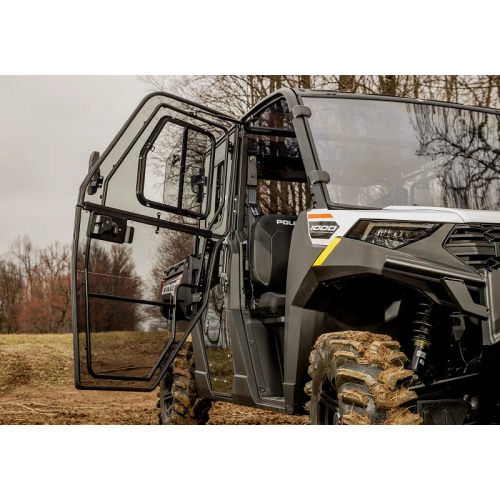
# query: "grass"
41,360
37,360
37,387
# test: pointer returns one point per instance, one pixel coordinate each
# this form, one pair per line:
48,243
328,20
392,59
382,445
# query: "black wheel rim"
328,405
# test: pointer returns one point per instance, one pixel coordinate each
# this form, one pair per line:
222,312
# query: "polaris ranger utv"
330,253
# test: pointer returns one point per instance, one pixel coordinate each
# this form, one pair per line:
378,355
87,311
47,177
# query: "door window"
176,166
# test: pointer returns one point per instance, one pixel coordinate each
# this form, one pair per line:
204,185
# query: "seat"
270,241
271,304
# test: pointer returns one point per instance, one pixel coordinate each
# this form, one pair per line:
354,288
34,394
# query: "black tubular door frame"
167,354
204,303
144,219
205,109
200,108
89,294
206,234
88,333
139,134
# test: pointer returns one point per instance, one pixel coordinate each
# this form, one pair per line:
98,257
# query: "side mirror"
97,179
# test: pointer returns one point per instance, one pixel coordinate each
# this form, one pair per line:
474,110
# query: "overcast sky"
48,128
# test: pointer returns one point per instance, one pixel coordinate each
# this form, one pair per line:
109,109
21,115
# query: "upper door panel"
162,163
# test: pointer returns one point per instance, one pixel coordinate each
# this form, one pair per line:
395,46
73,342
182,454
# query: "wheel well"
368,303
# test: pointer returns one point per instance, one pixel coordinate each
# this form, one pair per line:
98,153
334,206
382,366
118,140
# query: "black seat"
270,241
272,304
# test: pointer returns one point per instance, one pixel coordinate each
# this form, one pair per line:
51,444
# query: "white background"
217,37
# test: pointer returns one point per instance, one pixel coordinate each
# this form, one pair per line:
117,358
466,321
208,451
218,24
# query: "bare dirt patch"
36,387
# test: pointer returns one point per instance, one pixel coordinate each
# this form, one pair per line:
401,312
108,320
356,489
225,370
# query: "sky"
49,125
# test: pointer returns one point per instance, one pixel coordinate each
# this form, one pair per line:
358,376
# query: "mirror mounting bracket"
113,229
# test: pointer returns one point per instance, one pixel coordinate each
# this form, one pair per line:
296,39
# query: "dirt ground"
36,387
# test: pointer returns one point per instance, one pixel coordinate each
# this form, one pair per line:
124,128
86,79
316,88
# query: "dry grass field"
36,387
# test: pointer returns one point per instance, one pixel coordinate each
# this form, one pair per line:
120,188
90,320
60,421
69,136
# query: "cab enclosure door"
151,215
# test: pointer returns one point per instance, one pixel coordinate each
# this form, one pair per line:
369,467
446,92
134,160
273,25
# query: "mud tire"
178,399
363,375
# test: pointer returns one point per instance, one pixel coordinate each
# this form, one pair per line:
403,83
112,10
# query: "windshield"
382,153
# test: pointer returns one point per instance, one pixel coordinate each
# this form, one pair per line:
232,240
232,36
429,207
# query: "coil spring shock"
427,320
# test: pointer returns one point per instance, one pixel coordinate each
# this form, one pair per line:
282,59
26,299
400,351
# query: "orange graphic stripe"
320,216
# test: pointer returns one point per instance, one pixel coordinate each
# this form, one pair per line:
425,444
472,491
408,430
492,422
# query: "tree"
464,148
12,285
27,256
236,94
47,297
111,272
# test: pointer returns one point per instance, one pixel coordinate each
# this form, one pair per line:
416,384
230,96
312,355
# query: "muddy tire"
358,378
179,402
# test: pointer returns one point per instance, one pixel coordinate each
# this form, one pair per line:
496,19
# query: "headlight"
391,234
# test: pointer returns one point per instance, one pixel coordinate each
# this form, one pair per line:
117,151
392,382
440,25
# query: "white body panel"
486,216
346,219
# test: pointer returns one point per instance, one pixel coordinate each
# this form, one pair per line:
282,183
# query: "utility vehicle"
327,252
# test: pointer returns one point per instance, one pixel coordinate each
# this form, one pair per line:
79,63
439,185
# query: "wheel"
358,378
179,403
